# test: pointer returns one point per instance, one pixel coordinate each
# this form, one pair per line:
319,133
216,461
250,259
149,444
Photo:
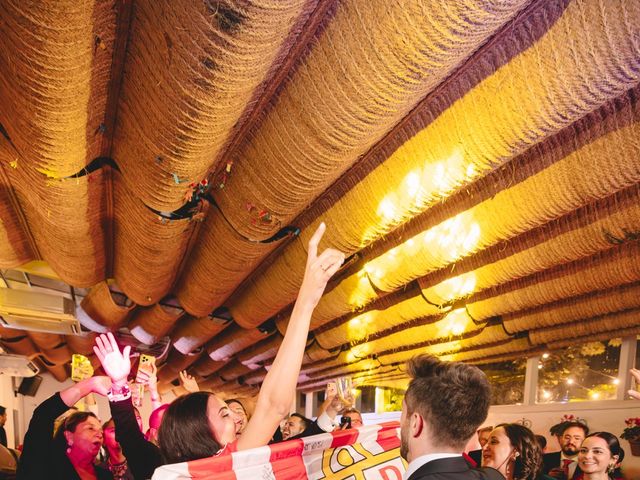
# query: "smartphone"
145,365
345,423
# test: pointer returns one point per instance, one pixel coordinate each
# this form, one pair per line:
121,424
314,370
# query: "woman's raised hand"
116,364
330,391
188,382
319,269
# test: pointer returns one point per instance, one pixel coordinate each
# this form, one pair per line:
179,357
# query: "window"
578,373
389,399
367,397
507,381
301,403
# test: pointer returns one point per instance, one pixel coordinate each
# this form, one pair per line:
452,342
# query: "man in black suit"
563,465
444,405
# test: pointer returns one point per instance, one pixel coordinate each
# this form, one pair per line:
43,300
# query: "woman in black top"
73,458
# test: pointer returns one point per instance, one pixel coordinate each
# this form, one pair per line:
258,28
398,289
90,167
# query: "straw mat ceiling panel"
166,162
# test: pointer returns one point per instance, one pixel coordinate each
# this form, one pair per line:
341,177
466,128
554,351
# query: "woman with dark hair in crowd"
73,456
241,419
542,441
115,460
599,457
201,424
513,450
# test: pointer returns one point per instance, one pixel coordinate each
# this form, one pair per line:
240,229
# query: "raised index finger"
315,240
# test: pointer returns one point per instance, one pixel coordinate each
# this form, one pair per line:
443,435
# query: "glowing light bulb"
595,395
413,184
457,329
438,177
546,394
387,209
471,170
616,381
569,381
545,355
472,237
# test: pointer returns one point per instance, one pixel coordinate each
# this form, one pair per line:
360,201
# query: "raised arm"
330,394
142,456
188,382
156,401
278,388
38,441
151,380
76,392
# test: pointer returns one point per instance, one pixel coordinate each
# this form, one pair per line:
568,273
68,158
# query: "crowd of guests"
516,452
443,407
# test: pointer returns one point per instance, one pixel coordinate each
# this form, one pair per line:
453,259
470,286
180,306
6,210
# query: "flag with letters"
368,453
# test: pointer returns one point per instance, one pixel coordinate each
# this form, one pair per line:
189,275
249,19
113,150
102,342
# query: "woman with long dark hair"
599,456
513,450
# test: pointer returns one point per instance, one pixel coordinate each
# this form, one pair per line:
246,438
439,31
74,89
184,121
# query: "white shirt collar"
416,463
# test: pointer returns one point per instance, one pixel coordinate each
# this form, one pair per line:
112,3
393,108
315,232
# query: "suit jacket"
455,468
552,460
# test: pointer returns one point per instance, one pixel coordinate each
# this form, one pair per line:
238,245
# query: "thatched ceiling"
478,162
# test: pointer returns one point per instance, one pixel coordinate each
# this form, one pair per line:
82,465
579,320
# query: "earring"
611,468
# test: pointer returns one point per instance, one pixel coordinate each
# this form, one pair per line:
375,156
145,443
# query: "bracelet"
119,394
118,470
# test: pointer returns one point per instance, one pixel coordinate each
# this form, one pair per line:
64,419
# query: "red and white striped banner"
368,453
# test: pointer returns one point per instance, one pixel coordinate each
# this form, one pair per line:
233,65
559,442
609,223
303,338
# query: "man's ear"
416,424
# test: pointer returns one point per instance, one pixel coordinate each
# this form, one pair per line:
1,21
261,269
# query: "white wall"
8,401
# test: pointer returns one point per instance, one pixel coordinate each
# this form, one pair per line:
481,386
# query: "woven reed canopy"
477,161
